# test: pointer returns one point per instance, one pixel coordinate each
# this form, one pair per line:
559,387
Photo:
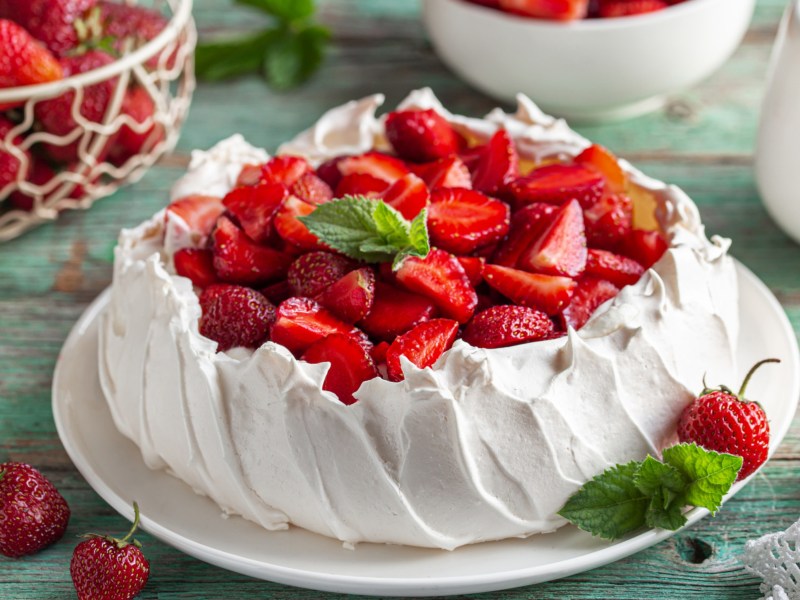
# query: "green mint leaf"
284,10
391,225
709,475
418,234
610,505
292,56
232,58
653,476
664,513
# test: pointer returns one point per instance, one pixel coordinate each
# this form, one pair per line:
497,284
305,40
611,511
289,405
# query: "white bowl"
591,69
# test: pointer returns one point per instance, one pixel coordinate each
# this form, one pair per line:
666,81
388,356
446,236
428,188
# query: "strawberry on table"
561,10
588,296
255,207
312,272
549,293
33,514
558,184
617,269
395,311
422,345
351,364
507,325
197,264
421,135
235,316
462,220
351,297
495,165
561,247
23,60
237,259
301,322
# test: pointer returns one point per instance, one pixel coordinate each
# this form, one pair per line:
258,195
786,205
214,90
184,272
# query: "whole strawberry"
23,60
32,512
109,568
724,421
49,21
10,164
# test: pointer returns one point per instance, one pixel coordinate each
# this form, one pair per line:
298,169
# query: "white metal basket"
167,79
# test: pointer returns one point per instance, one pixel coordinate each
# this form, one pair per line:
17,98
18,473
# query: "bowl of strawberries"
586,60
92,93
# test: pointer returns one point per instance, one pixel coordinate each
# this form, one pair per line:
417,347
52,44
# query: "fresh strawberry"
626,8
507,325
235,316
361,184
23,60
199,213
285,169
39,173
558,184
278,292
237,259
255,207
301,322
311,273
329,171
619,270
601,159
473,267
197,264
109,568
33,514
561,247
350,299
249,175
461,220
395,311
441,278
312,189
52,22
497,164
422,345
409,195
125,23
381,166
55,115
550,293
560,10
645,247
445,172
527,224
137,105
291,229
420,135
724,421
10,165
589,295
378,352
608,221
351,364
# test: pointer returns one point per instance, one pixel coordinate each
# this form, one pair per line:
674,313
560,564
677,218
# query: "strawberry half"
619,270
361,184
496,165
561,248
381,166
312,189
550,293
507,325
395,311
599,158
408,195
527,224
473,267
420,135
440,277
291,229
608,222
197,264
559,10
645,247
301,322
200,213
351,297
423,346
445,172
237,259
351,364
285,169
311,273
254,208
461,220
235,316
589,295
557,184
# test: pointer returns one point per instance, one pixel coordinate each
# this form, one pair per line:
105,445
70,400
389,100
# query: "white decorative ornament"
775,558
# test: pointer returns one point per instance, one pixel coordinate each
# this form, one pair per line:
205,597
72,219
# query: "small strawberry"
496,164
197,264
558,184
381,166
527,224
23,60
626,8
52,22
301,322
293,231
421,135
312,189
395,311
285,169
235,316
561,247
461,220
549,293
312,272
33,514
408,195
561,10
255,207
361,184
507,325
351,297
423,345
351,364
599,158
109,568
619,270
237,259
446,172
723,421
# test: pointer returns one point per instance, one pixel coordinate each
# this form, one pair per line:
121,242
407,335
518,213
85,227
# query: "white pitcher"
777,160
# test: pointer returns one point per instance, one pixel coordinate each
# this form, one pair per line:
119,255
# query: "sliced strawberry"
497,165
557,184
361,184
351,364
608,222
409,195
235,316
395,311
423,346
238,259
351,297
311,273
446,172
291,229
255,206
507,325
420,135
300,322
278,291
645,247
440,277
601,159
549,293
590,293
249,175
196,264
561,248
329,171
473,267
285,169
527,224
610,9
462,220
200,213
559,10
378,352
619,270
312,189
382,166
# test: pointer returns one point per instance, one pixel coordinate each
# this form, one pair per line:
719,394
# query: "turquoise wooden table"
702,140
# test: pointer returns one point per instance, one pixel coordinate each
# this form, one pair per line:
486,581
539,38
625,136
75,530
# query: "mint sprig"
286,53
653,493
369,230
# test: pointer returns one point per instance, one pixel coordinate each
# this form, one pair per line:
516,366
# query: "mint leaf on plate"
709,474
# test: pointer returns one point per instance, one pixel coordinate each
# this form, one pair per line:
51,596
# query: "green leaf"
232,58
610,505
709,474
292,57
653,476
664,513
284,10
418,234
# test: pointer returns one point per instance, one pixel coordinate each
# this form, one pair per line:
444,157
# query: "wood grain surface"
702,141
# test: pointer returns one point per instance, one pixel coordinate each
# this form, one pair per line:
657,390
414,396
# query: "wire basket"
163,68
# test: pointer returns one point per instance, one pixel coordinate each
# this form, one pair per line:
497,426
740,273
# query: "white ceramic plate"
172,512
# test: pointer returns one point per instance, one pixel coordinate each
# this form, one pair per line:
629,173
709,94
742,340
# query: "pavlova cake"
420,329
